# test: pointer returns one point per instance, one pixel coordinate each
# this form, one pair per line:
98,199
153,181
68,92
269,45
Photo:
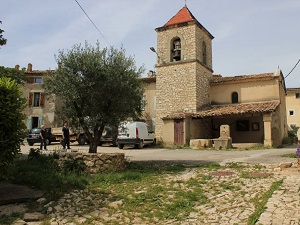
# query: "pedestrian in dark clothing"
43,136
66,136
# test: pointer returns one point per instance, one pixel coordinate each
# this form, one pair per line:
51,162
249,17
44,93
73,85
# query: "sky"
251,36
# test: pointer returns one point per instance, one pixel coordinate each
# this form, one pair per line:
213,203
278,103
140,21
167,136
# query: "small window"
291,112
297,95
38,80
242,125
36,99
234,97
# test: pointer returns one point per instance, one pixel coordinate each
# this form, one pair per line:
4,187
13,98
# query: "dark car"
34,136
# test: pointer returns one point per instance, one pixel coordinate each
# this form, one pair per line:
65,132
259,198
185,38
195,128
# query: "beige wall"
168,132
149,112
293,104
248,92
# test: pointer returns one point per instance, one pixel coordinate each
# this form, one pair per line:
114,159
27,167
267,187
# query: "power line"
292,69
92,22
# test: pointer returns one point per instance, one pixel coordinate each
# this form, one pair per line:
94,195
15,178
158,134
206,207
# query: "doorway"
178,132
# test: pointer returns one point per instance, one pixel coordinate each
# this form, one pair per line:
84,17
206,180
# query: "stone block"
222,143
200,143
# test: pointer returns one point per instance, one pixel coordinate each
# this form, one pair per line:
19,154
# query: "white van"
135,133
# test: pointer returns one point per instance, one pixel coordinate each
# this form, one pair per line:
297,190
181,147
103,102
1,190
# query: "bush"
74,165
12,128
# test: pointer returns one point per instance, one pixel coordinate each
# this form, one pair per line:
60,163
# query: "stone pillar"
267,118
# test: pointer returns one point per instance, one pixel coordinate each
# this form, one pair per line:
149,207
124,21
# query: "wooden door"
178,132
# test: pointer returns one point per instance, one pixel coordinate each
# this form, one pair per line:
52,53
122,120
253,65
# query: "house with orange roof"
186,101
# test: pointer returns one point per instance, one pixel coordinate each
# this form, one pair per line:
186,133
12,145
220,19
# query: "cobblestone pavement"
283,208
232,205
225,207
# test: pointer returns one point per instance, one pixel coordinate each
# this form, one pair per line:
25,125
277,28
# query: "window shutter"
30,99
42,103
40,121
29,122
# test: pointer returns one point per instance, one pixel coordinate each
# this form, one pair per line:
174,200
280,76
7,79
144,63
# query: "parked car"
34,136
135,133
109,135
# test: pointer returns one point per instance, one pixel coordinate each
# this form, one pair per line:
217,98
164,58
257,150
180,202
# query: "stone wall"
97,162
182,86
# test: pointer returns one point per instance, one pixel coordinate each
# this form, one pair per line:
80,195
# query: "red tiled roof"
238,109
149,79
227,110
39,72
242,78
292,90
184,15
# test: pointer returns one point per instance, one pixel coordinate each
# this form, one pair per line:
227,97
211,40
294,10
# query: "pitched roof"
229,110
241,79
184,15
293,90
39,72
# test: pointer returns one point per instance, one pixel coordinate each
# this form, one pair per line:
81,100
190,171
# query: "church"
186,101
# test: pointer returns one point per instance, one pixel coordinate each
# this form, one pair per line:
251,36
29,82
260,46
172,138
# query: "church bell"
177,51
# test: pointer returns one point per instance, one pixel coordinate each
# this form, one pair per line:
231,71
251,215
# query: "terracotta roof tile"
184,15
292,90
39,72
239,109
227,110
243,78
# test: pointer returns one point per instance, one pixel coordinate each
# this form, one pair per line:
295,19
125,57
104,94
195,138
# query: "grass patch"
153,192
6,220
43,173
289,155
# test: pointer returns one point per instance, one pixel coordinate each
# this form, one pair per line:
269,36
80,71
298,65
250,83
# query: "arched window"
176,49
235,97
204,55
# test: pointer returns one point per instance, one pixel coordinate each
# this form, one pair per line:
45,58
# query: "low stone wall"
97,162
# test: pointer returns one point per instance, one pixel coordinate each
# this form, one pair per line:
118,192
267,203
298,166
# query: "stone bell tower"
183,68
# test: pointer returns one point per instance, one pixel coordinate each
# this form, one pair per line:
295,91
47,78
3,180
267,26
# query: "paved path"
265,156
283,208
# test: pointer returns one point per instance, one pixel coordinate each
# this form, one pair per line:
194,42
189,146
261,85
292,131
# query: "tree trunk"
93,147
96,139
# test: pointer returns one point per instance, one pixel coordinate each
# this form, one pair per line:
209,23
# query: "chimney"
29,68
17,67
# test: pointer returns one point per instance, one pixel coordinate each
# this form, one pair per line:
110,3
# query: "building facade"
293,108
192,103
40,108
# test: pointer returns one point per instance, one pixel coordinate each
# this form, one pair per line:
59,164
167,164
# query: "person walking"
43,136
66,136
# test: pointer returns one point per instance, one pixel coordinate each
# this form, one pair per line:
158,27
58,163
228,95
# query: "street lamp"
153,50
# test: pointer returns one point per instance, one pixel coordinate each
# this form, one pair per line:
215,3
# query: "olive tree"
2,39
98,87
12,126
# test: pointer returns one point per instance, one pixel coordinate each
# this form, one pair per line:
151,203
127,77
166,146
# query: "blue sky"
251,36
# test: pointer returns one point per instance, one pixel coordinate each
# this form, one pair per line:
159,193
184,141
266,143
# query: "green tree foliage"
11,123
14,74
97,87
2,39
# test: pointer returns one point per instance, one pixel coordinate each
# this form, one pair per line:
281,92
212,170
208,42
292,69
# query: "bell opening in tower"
176,50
